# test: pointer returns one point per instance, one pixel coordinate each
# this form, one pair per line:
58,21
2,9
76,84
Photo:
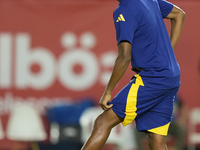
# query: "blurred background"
56,57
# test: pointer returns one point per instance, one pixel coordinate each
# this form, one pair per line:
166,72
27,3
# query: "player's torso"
151,47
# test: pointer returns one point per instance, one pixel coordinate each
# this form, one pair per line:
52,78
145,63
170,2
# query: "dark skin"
108,119
121,64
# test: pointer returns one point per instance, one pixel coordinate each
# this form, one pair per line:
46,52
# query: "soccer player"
143,40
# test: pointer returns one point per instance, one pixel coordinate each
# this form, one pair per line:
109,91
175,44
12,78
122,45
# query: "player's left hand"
104,101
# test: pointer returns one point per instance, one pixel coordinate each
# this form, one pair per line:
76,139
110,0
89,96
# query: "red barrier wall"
64,50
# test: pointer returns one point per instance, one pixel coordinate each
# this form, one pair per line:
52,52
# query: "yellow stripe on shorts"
163,130
132,101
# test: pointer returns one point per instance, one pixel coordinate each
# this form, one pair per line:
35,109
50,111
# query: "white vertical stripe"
22,47
5,60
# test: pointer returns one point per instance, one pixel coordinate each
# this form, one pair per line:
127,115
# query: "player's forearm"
119,69
176,28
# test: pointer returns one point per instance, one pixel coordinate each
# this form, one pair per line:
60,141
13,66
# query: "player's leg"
161,113
156,141
178,131
102,127
140,136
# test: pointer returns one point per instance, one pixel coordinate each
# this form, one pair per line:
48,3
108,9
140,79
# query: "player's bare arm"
121,63
177,17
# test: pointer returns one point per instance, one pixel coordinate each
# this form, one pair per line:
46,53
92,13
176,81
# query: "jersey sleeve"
165,7
125,24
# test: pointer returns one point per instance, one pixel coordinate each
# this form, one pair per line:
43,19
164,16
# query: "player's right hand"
104,101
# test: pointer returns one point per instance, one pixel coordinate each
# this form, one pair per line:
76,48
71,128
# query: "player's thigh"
108,119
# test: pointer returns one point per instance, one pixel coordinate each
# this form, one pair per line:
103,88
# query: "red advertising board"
52,51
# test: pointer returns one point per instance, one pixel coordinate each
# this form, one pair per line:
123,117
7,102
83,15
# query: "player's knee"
100,124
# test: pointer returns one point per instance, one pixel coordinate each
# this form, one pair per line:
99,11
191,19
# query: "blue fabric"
68,114
165,7
140,22
153,106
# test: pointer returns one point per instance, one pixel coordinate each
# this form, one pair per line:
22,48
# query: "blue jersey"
140,22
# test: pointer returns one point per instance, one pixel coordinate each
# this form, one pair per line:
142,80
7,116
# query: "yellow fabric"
132,101
163,130
131,105
139,80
